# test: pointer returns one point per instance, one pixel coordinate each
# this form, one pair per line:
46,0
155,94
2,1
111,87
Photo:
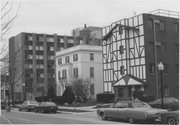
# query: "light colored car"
28,105
130,110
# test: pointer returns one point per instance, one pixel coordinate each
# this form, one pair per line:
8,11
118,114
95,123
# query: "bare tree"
81,88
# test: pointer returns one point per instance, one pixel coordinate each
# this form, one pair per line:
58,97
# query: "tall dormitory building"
132,49
32,64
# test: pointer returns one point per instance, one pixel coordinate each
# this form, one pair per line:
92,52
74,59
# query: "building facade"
79,62
32,64
132,49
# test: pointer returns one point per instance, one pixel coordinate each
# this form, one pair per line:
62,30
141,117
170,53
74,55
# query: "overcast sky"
61,16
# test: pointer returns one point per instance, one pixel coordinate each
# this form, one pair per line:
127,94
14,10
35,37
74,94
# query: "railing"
167,13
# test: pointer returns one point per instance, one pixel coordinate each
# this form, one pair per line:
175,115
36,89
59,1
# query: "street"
16,117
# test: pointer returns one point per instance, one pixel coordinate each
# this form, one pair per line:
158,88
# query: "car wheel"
42,110
131,120
103,117
171,121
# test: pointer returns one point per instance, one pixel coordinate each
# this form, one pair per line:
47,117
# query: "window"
92,89
165,68
121,49
40,38
28,66
120,30
29,38
70,41
149,24
61,40
64,74
51,75
59,61
176,27
50,66
91,72
122,70
50,48
39,57
50,39
162,25
163,47
28,75
91,56
166,91
152,68
28,57
39,66
51,57
28,47
67,59
59,75
39,47
75,72
40,75
75,57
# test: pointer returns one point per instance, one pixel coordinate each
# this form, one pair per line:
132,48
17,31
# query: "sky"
62,16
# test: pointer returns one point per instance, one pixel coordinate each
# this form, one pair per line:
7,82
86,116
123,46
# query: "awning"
129,80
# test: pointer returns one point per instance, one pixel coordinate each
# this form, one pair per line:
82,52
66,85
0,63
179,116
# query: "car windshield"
33,102
49,103
140,105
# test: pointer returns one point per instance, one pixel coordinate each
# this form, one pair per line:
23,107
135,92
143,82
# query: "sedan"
170,103
130,110
170,118
28,105
46,107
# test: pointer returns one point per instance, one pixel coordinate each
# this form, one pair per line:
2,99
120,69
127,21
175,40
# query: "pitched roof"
129,80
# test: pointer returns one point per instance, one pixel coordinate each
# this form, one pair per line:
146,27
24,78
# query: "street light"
23,91
161,68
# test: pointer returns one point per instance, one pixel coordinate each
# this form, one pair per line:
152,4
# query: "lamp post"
161,68
155,21
23,91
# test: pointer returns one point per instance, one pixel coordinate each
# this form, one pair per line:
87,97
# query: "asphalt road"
16,117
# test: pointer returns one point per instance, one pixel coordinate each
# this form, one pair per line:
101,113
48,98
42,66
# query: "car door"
110,112
122,110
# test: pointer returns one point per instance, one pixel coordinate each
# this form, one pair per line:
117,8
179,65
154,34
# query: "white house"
82,61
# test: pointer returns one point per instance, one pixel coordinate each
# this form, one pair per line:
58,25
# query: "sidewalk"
77,109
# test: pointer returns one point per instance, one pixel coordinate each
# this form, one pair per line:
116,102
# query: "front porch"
127,87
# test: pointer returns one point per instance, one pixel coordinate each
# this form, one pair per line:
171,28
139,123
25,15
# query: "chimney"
84,25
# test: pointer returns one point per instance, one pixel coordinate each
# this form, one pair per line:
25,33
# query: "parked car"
170,103
130,110
28,105
170,118
46,107
3,105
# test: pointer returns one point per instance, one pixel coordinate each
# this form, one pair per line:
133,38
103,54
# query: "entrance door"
120,92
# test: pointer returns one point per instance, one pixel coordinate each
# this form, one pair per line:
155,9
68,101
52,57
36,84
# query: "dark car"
170,103
170,118
46,107
28,105
3,105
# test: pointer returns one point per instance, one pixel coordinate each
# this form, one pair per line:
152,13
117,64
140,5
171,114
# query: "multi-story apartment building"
32,65
133,48
79,62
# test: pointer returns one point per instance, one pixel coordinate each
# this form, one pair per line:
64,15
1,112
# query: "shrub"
105,97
